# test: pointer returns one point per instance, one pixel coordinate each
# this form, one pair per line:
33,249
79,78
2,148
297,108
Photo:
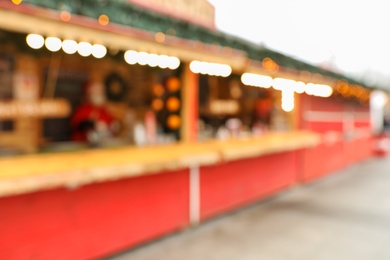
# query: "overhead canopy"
132,27
30,19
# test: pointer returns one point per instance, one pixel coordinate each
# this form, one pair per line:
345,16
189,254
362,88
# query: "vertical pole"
189,113
194,195
348,132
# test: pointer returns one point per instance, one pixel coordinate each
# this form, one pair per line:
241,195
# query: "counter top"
29,173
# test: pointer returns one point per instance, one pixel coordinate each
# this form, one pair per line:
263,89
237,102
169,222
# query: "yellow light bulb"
17,2
103,19
35,41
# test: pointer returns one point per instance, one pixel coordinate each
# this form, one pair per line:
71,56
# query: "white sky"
351,37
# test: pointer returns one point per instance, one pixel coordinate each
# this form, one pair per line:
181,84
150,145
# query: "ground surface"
343,216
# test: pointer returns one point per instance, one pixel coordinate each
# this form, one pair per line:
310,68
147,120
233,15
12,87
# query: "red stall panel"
349,151
321,160
323,127
362,124
93,220
345,126
227,186
362,149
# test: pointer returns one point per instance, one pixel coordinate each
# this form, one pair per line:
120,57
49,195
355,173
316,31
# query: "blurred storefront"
75,87
122,121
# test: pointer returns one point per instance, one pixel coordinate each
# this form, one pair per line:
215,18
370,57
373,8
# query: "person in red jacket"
91,122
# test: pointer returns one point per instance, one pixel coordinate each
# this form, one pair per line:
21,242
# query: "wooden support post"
190,106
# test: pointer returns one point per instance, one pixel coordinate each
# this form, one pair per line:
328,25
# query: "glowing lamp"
157,104
209,68
299,87
256,80
131,57
65,16
143,58
99,51
35,41
158,90
173,84
103,19
195,66
159,37
288,100
288,107
283,84
173,122
174,63
324,90
173,104
17,2
53,44
84,49
69,46
226,70
153,60
163,61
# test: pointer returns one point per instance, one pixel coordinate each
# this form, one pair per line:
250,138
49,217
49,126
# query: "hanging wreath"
115,87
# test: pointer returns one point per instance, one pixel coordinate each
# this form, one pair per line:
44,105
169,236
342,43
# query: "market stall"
119,125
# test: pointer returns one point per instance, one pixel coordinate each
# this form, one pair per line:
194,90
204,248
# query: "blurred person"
263,108
91,121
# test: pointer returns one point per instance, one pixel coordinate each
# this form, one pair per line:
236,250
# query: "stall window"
166,104
226,104
6,70
69,85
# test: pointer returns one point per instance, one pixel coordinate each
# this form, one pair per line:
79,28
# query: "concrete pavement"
343,216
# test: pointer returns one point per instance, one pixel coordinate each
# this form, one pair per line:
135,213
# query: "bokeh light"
174,63
173,104
153,60
283,84
163,61
53,44
288,100
299,87
103,19
270,65
209,68
65,16
159,37
143,58
173,84
319,90
256,80
158,90
173,122
84,49
99,51
69,46
131,57
17,2
35,41
157,104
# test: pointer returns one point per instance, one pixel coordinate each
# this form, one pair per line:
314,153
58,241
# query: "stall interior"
228,108
53,101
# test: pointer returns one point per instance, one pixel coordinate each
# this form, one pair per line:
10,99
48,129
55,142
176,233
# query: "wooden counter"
23,174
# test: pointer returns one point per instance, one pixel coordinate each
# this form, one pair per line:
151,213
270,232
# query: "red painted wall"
227,186
93,220
321,160
347,148
360,149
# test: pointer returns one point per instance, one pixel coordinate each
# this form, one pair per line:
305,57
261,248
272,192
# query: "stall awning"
132,27
30,19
